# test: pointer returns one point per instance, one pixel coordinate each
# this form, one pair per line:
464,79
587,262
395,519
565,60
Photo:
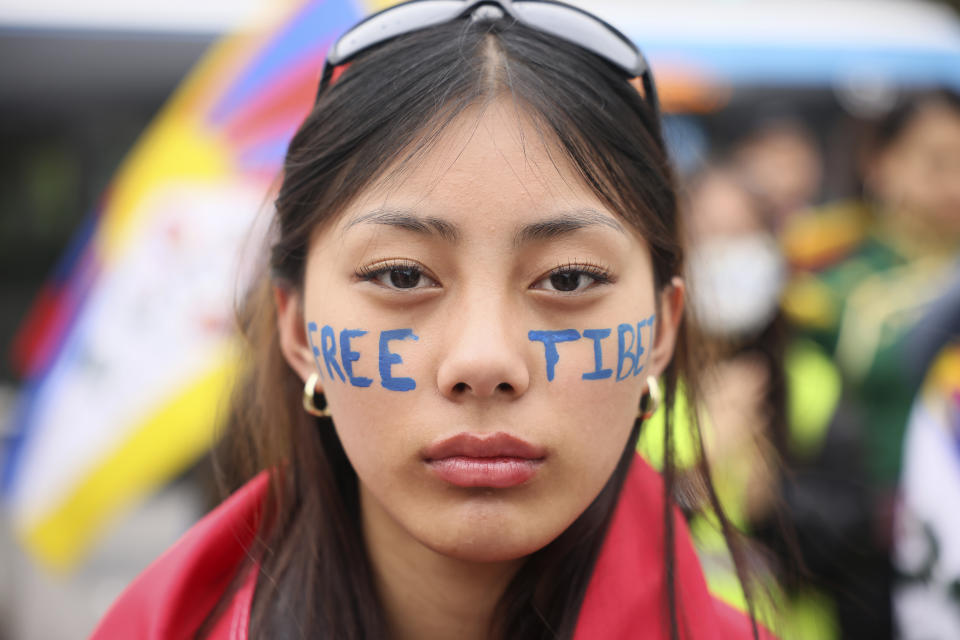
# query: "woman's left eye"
573,279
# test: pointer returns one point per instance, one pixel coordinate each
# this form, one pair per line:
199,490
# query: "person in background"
866,271
780,441
780,162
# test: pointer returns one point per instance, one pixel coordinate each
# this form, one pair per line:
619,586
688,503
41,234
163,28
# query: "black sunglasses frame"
564,21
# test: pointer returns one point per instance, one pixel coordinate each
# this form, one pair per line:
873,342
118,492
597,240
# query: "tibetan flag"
129,351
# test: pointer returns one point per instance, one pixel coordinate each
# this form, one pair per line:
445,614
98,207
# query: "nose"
484,354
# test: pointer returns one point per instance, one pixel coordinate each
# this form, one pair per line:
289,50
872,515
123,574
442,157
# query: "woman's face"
918,175
484,327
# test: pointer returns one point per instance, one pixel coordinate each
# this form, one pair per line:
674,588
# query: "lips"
496,461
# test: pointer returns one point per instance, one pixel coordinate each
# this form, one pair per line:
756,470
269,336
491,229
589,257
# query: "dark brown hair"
894,123
388,107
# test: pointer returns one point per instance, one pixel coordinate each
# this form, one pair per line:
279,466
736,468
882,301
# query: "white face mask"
735,283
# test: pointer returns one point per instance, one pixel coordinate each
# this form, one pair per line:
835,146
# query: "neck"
426,595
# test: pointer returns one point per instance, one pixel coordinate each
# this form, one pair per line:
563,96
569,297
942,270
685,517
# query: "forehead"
934,126
493,166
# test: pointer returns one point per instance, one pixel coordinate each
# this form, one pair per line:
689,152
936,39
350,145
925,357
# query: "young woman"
472,293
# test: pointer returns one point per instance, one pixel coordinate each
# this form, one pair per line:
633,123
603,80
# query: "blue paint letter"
640,350
625,351
349,356
599,373
388,359
649,322
312,329
550,340
329,343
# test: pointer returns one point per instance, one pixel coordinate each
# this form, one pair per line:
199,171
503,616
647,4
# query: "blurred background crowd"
817,146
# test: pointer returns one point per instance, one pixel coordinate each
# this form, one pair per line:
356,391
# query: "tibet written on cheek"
336,355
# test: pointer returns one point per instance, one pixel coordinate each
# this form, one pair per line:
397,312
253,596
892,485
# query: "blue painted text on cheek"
349,356
640,350
329,343
388,359
624,351
312,329
599,373
550,340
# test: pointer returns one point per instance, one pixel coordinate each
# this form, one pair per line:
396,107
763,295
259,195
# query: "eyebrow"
405,219
563,224
546,229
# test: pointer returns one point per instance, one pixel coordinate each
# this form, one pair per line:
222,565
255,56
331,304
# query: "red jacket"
624,598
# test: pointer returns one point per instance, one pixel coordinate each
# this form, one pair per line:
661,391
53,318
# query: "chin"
482,535
489,549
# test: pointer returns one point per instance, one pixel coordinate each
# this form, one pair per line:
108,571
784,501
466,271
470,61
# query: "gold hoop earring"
653,403
310,398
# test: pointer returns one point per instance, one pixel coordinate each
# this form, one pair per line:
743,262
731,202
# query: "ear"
294,343
667,325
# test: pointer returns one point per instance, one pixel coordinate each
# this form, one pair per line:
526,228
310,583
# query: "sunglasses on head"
557,19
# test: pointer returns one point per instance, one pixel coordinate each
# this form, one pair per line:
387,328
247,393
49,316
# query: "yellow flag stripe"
159,448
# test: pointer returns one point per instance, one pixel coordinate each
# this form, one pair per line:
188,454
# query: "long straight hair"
388,108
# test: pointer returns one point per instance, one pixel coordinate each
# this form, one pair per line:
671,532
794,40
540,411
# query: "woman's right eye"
398,276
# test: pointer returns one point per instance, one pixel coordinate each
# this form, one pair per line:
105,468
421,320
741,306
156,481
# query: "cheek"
598,432
373,380
594,400
381,432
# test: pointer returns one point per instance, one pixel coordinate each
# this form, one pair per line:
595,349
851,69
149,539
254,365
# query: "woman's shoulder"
625,595
176,593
